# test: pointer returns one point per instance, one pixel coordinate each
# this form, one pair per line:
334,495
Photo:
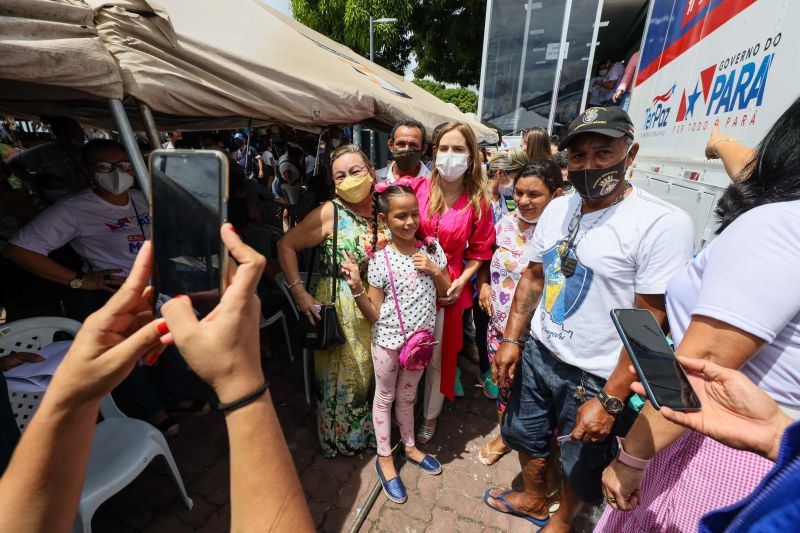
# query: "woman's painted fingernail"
151,359
162,329
180,296
233,230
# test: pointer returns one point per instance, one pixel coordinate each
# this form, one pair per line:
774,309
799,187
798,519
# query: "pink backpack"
417,351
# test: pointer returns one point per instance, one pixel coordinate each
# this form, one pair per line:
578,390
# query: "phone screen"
658,368
188,205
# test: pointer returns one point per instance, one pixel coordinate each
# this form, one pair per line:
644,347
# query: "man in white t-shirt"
267,156
407,144
610,246
172,138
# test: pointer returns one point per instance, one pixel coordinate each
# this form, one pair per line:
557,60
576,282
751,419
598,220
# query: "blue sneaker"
429,464
394,488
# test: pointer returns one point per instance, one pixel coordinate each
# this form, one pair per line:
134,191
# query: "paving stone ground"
336,489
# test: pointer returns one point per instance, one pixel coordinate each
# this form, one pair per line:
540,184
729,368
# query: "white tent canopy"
201,65
51,50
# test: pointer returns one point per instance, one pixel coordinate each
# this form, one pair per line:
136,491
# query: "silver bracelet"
512,341
360,294
295,282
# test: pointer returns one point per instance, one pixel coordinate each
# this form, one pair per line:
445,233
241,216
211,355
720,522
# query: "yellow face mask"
353,189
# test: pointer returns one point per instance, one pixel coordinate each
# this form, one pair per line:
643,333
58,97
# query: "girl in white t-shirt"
420,275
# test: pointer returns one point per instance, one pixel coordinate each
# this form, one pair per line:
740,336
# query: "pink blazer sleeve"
627,78
482,236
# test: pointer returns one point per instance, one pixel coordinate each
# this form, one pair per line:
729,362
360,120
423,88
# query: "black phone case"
639,372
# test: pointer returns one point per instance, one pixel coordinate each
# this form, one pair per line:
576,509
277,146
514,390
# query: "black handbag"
327,332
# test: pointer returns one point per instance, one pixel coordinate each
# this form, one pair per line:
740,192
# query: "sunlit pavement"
336,489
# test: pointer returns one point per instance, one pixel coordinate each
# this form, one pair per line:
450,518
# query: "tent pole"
150,127
374,492
131,146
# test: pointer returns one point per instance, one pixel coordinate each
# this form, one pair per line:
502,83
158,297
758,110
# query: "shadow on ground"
336,489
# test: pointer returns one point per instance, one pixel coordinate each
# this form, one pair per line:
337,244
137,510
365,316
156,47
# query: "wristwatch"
612,404
77,281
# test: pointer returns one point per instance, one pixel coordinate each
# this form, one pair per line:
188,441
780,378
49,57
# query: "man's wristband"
241,402
512,341
629,460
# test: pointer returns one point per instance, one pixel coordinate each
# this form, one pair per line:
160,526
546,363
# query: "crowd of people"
529,247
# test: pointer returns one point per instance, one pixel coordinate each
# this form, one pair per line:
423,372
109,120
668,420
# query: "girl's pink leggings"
393,384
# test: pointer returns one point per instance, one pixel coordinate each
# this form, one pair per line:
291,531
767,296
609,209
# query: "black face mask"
407,159
598,183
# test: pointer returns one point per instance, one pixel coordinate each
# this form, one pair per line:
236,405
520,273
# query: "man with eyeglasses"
105,224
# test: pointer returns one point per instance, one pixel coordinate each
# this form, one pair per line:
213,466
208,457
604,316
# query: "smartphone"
658,369
188,204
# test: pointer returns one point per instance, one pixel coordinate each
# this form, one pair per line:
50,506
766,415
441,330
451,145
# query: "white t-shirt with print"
636,248
104,235
747,277
416,293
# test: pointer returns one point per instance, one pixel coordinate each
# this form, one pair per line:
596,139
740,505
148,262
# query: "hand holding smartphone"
188,203
658,369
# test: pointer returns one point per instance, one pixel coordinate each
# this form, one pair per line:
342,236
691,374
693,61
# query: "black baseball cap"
610,121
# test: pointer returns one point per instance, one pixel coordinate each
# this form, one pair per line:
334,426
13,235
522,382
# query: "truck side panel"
704,62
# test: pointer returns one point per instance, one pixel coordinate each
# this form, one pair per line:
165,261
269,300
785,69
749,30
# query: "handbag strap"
335,276
394,291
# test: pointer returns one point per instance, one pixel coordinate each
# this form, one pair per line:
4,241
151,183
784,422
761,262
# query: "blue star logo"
692,99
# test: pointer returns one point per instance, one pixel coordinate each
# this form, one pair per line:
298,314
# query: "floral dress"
344,373
506,270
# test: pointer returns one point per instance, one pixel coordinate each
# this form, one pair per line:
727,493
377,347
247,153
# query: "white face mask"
506,186
451,166
528,220
115,182
602,71
336,142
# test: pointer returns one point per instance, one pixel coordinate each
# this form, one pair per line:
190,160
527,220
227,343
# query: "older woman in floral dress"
344,373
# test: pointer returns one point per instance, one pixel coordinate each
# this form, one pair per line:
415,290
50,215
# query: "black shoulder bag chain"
327,332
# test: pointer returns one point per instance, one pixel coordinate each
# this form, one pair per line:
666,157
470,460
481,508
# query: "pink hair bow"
383,185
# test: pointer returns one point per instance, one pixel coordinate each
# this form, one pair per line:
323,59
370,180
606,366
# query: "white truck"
706,63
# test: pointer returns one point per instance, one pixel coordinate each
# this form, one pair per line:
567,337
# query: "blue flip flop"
510,510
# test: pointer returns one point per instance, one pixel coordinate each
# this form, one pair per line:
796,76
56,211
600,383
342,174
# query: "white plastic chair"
31,335
279,315
122,447
308,354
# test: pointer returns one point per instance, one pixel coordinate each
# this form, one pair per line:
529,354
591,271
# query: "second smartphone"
659,371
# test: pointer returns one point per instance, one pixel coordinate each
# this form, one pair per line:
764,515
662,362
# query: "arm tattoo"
529,304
